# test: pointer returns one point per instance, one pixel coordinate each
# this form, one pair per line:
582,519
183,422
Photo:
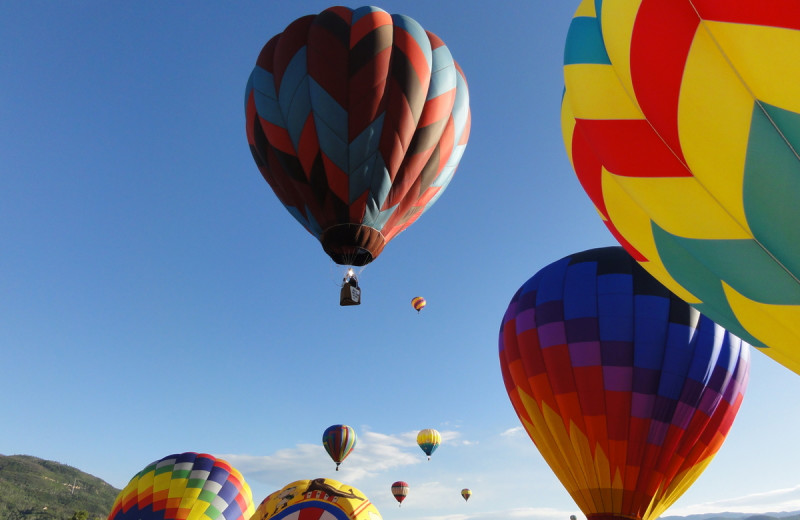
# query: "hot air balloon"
466,493
627,391
320,498
185,486
418,303
400,491
339,440
357,119
681,123
429,439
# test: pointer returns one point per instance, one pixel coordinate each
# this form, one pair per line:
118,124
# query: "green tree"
80,515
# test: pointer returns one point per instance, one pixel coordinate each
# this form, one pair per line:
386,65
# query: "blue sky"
156,298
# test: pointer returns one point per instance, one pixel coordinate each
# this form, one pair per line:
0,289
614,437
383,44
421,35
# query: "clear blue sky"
156,298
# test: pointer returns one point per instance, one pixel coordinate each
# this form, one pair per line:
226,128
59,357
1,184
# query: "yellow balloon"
318,498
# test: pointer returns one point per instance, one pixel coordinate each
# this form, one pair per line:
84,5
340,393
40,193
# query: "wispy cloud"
778,500
377,453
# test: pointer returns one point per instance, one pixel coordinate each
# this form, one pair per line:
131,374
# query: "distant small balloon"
400,491
466,493
339,440
429,439
418,303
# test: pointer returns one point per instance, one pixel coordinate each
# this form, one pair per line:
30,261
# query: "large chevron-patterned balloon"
682,122
357,119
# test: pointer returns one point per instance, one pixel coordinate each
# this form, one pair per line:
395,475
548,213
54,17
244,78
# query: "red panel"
308,146
366,93
291,40
662,35
630,147
367,24
774,13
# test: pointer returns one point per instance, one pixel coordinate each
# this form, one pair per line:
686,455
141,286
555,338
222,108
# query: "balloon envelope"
418,303
627,391
357,119
428,440
683,127
339,440
400,490
466,493
185,486
317,499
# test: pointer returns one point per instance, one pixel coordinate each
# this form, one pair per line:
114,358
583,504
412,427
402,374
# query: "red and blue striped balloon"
339,440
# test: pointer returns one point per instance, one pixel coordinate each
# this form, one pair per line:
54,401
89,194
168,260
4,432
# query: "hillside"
37,489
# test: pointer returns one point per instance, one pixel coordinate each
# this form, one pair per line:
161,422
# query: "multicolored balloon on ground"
627,391
317,499
186,486
400,491
428,440
418,303
682,122
466,493
339,440
357,119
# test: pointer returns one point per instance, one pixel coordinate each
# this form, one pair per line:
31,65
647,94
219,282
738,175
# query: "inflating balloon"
627,391
418,303
182,487
339,440
682,122
357,119
466,493
318,499
428,440
400,491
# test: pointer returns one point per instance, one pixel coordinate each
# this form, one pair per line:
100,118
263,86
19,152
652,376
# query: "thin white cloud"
777,500
376,453
513,432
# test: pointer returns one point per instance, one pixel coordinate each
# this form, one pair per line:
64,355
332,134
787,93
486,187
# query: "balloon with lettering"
682,123
626,390
185,486
317,499
357,119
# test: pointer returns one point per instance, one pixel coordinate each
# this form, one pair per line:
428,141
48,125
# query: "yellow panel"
766,57
617,30
177,487
586,9
714,117
567,126
775,325
635,225
596,93
679,205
